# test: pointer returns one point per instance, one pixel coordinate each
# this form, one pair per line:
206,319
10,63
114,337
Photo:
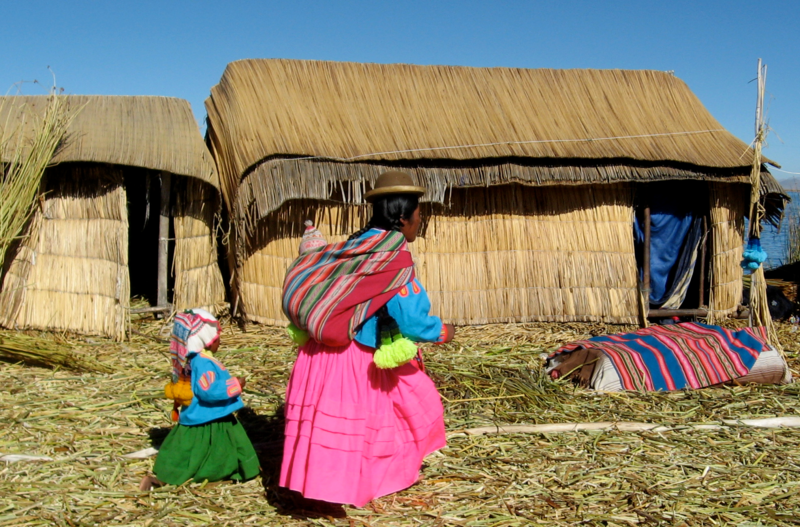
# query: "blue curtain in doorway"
676,225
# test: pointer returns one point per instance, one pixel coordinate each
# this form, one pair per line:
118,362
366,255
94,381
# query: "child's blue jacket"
216,392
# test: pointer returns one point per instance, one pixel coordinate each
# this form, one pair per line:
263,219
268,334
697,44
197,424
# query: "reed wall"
729,204
71,271
198,281
507,253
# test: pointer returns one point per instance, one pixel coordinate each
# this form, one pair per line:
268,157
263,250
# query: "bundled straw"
24,165
759,304
47,352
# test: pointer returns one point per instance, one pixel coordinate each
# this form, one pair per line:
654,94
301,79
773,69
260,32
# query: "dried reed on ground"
24,163
46,351
489,375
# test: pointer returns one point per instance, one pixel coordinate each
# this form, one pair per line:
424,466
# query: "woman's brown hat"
393,182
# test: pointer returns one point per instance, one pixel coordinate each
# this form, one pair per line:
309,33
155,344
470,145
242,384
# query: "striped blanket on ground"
686,355
331,292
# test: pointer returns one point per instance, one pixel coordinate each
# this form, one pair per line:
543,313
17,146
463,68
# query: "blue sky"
180,48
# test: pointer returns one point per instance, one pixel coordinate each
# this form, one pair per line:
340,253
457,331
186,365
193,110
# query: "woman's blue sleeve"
410,308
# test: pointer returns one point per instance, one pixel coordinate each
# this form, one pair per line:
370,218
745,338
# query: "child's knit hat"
312,239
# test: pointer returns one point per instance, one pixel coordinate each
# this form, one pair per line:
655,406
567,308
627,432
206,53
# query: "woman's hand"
451,332
242,382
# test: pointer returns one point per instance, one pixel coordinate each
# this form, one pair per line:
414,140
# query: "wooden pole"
163,240
646,261
668,313
702,298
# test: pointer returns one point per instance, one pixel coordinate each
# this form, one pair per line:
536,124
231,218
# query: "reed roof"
346,111
158,133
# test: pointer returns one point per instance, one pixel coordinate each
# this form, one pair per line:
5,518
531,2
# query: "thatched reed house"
94,238
534,179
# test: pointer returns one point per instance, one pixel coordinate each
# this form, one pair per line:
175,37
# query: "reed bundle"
43,351
787,287
792,245
22,163
759,304
491,375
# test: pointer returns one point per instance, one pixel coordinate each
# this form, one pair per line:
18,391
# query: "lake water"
775,243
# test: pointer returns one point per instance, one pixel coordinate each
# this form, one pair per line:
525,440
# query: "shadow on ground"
266,433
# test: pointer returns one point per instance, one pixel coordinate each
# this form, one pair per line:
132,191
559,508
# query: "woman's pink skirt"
355,432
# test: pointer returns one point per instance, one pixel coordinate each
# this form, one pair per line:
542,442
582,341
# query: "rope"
786,171
431,149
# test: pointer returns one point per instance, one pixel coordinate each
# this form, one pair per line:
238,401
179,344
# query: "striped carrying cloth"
686,355
331,292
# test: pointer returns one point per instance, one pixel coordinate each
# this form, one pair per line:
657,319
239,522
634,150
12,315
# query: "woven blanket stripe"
342,287
184,326
332,261
686,355
316,269
331,292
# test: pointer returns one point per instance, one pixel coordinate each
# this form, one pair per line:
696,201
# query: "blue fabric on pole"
753,255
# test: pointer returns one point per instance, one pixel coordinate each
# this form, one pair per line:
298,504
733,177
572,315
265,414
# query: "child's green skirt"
212,451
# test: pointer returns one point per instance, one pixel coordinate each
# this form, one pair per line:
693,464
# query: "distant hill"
791,183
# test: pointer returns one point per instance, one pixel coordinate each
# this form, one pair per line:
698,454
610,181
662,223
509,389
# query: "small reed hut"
127,208
534,177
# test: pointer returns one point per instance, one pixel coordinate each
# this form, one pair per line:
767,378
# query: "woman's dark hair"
388,211
386,214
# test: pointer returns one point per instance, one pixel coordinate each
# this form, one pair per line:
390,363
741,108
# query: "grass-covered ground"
86,422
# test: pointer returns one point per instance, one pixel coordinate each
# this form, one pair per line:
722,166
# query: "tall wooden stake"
163,240
644,291
759,304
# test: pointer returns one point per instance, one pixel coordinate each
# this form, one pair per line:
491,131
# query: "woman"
355,431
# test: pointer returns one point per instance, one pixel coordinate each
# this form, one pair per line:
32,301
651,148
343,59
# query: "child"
208,443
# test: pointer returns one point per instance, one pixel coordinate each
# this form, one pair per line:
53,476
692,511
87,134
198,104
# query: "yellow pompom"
394,354
183,392
180,391
297,335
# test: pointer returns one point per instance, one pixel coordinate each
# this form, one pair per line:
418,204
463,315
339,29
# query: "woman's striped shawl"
687,355
331,292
